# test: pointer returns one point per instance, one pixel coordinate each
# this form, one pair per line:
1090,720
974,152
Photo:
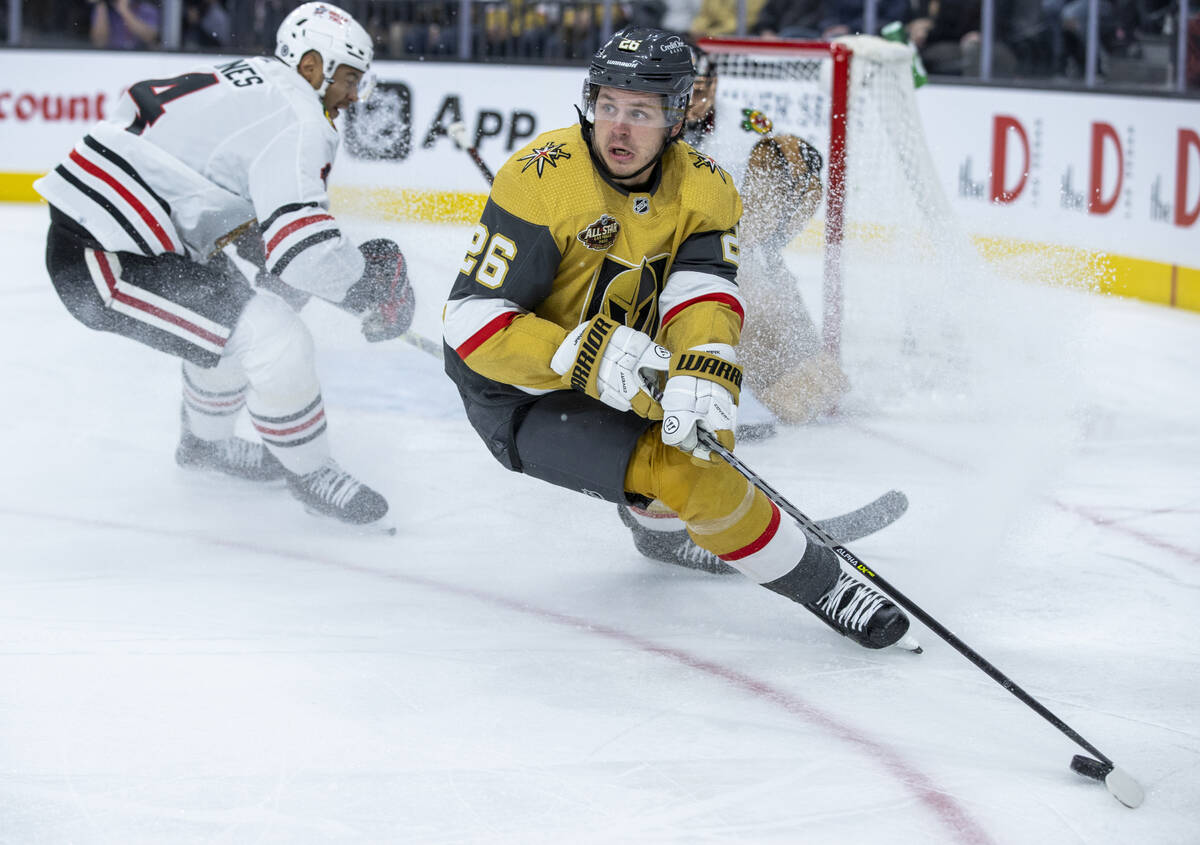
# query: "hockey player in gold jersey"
592,328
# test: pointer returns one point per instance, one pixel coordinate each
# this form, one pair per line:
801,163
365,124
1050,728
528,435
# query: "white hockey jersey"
185,161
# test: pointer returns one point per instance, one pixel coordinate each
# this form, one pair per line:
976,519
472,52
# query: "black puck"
1090,768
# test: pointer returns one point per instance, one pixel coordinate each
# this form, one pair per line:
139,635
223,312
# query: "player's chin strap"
586,126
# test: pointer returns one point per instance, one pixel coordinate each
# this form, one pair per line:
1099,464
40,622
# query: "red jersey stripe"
154,310
143,212
280,432
731,301
764,538
293,226
480,337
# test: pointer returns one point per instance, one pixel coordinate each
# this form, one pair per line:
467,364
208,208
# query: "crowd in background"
1037,39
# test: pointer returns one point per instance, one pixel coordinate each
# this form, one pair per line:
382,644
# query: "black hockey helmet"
640,58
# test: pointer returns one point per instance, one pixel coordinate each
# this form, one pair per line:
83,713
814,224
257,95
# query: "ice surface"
188,659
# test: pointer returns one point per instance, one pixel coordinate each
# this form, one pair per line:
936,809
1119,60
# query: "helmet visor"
366,86
605,104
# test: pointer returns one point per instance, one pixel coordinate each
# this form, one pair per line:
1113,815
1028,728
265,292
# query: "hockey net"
854,100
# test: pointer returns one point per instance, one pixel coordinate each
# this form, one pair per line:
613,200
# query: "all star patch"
549,154
701,160
600,234
641,205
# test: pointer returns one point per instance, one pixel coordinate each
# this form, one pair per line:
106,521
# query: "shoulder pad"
704,186
554,168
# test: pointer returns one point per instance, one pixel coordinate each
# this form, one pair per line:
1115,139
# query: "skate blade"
380,526
909,643
209,475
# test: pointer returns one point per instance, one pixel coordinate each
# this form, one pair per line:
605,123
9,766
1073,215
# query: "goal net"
854,100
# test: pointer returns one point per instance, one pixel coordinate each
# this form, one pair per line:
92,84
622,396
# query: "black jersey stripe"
300,441
209,393
311,240
128,168
102,201
290,417
282,210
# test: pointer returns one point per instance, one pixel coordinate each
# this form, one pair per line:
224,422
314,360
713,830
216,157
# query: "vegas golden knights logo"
628,293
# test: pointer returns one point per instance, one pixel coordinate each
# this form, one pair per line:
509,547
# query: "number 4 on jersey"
151,96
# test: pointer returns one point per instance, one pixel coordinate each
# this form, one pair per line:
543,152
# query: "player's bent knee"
84,304
274,347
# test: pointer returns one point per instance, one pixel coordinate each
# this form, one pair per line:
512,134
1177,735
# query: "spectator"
947,36
206,25
720,17
680,14
845,17
125,24
789,19
1193,52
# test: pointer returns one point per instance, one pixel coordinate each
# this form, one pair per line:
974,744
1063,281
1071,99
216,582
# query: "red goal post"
852,98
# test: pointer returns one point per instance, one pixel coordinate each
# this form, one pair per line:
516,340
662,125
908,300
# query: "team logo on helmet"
600,234
549,154
756,121
701,160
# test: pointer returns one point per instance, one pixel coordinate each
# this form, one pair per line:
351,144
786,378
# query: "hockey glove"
382,297
615,364
702,392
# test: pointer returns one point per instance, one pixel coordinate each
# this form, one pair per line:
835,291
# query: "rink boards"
1048,183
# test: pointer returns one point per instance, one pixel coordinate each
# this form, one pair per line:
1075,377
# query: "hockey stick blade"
1123,787
871,517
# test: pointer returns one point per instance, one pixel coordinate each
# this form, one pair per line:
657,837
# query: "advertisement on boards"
1112,174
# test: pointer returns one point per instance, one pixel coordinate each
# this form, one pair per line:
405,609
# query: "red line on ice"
948,811
1148,539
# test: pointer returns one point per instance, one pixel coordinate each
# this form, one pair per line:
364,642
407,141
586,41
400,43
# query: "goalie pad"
781,190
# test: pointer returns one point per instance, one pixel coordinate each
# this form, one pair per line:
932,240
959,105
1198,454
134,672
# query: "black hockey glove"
382,297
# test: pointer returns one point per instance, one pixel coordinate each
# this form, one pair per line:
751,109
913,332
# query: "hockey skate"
856,610
231,456
331,491
674,547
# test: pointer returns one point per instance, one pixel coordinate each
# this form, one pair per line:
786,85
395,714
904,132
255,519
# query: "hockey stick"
458,133
1123,787
430,347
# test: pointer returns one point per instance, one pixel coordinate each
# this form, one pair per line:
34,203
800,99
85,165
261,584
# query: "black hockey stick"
458,134
1123,787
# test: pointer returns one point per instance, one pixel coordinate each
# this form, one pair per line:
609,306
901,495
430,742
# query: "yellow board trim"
1150,281
18,187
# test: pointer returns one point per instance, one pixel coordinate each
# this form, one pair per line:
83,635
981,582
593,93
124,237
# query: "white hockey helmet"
334,34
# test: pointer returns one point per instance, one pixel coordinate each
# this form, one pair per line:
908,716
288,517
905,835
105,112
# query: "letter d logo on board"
1189,148
1002,127
1102,132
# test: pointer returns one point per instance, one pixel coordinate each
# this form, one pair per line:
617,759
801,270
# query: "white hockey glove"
702,391
615,364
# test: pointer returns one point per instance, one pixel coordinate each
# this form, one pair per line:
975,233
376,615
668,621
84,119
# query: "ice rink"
189,659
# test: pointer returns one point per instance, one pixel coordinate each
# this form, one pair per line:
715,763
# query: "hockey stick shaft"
814,530
430,347
458,134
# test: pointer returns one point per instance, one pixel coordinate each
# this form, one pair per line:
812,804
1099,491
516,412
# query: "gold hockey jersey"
557,243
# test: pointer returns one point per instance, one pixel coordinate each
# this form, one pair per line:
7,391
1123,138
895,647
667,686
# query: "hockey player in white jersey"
143,206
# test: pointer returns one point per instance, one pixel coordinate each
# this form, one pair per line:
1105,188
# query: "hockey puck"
1090,768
